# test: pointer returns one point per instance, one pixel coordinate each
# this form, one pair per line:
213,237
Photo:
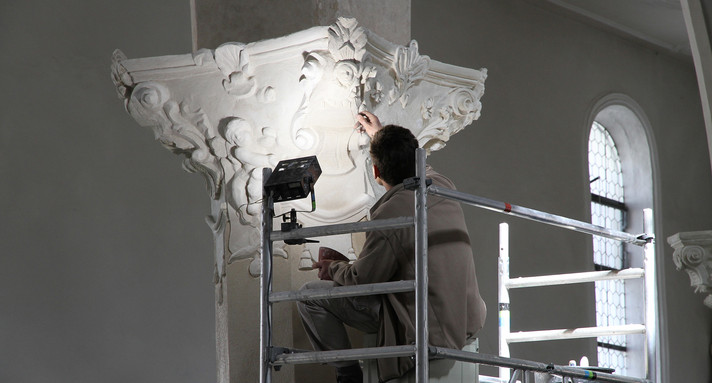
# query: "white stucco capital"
242,107
693,253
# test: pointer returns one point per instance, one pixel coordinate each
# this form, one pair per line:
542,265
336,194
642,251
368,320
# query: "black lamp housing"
293,179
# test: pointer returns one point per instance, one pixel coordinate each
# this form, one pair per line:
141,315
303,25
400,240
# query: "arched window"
621,171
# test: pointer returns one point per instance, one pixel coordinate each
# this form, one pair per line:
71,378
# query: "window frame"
629,127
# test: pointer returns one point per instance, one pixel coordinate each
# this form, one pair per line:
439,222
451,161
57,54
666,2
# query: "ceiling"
655,22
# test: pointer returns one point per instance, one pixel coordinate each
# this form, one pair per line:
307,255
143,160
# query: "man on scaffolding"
456,310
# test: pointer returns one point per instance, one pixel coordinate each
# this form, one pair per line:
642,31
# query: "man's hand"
368,122
326,256
323,267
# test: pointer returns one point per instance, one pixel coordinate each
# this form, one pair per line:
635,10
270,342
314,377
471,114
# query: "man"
456,310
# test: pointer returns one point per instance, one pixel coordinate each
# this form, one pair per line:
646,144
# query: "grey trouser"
324,319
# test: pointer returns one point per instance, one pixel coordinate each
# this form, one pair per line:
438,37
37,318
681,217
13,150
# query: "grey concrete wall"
546,71
106,269
220,21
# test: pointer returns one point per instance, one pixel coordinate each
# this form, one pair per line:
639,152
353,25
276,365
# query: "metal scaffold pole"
266,285
536,215
421,271
503,294
651,295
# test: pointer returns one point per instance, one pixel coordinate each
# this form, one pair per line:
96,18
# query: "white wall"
106,263
546,71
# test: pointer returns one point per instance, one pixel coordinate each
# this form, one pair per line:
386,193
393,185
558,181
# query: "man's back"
456,309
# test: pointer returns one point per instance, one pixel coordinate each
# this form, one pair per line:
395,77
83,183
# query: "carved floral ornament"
242,107
693,253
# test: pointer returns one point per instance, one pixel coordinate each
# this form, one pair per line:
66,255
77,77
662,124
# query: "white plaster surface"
693,255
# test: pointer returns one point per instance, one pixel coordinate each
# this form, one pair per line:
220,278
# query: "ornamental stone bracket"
693,253
239,108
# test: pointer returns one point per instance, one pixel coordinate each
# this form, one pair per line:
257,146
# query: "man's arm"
368,123
376,263
326,257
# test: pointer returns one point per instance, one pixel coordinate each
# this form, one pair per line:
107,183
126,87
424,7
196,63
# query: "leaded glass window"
608,210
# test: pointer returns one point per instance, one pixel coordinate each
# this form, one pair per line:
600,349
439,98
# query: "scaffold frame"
272,356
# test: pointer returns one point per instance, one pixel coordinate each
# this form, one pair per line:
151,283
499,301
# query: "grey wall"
220,21
105,260
546,71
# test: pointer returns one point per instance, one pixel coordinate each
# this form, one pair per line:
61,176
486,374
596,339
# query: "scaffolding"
647,273
274,356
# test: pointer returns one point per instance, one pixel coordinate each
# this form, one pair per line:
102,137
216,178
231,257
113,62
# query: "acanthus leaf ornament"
120,76
409,68
219,224
374,90
347,40
253,150
233,61
180,130
456,110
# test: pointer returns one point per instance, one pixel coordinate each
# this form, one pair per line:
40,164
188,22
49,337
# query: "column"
241,107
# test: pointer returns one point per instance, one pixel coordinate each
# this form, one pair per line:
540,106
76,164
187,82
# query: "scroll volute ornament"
693,253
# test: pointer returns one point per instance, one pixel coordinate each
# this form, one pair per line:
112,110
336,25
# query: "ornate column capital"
693,253
243,107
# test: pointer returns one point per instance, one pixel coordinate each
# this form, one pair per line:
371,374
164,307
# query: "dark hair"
393,153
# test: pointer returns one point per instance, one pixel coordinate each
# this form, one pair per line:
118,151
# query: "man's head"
393,154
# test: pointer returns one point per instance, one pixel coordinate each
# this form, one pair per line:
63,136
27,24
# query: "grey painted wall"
546,71
106,263
105,260
220,21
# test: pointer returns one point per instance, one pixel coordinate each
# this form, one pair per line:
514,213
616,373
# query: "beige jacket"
456,310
